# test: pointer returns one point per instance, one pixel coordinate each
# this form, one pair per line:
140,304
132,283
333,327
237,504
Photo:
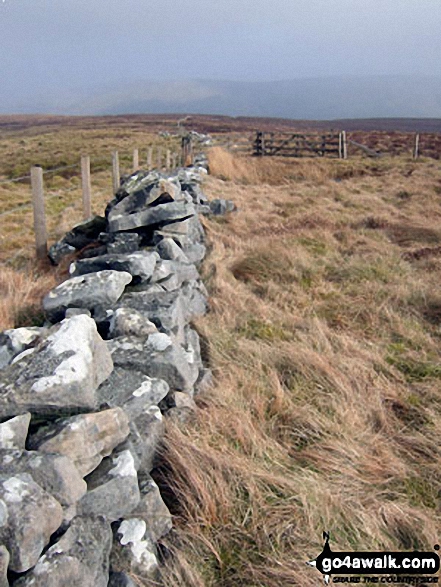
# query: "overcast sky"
49,44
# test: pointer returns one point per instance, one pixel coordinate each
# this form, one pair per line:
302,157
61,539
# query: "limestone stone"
140,265
92,291
128,321
113,490
167,310
135,548
152,509
70,312
28,517
81,235
59,375
169,250
181,406
120,243
16,340
54,473
131,390
219,207
80,558
146,431
85,439
119,220
13,432
156,356
204,381
171,274
4,562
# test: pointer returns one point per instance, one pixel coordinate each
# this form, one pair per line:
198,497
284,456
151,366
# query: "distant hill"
308,98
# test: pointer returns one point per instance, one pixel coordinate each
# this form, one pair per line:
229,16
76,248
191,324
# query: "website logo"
414,563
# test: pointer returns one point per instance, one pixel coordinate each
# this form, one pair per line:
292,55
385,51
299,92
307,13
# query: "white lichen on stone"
3,513
133,532
144,388
21,337
42,567
74,426
124,465
36,463
154,411
75,335
159,341
7,436
16,490
190,355
22,355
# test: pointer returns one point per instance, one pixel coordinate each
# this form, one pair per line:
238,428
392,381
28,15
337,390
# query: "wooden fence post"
86,186
159,159
186,151
340,146
115,171
345,145
135,159
417,146
39,214
183,151
149,158
191,151
168,159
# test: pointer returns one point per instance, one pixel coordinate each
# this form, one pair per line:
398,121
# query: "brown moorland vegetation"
324,338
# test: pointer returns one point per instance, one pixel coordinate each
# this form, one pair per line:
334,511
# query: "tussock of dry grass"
20,296
324,340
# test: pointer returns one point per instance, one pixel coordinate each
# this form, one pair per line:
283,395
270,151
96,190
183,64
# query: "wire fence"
51,205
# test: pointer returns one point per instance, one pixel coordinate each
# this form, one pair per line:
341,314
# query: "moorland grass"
324,338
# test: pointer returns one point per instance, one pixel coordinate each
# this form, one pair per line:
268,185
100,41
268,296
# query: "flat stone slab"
160,214
140,265
143,189
85,439
92,291
60,375
80,236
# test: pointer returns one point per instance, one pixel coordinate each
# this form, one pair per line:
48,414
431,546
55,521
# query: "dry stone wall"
82,399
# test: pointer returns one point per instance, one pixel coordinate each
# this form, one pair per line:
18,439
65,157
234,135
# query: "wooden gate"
283,144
